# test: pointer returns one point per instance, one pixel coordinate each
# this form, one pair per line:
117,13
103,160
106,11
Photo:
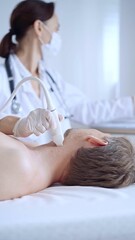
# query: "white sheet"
68,213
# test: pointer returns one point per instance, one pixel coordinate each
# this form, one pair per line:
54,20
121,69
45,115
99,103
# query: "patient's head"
100,164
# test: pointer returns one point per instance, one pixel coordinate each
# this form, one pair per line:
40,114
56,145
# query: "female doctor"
33,29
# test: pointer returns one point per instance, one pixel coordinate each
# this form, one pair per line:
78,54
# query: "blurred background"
98,37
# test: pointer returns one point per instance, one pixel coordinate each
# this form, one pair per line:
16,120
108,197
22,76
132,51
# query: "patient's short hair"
109,166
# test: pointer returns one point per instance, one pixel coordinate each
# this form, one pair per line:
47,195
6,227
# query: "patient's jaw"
81,132
85,138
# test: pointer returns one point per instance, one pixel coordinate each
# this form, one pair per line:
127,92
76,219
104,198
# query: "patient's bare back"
19,173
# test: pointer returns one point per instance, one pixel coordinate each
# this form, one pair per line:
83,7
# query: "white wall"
127,47
85,60
6,7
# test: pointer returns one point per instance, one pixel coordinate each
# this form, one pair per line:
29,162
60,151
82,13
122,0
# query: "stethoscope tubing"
16,106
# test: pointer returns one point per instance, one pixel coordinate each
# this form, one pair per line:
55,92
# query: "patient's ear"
96,141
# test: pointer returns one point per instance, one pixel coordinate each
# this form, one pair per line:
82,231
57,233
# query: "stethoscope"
16,106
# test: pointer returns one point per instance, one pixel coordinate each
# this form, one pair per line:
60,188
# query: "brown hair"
23,16
107,166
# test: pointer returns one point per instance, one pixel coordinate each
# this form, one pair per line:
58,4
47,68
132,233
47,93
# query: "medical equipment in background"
57,135
54,88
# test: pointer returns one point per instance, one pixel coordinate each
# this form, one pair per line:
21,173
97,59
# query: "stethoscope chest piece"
15,107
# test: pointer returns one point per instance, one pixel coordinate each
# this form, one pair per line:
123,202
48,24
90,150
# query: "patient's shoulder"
16,171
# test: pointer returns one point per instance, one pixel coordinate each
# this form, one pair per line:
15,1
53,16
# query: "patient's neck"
55,160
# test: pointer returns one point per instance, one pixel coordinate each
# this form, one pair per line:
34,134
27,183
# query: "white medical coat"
73,101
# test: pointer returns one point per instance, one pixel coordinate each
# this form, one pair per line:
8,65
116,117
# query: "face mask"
55,43
53,46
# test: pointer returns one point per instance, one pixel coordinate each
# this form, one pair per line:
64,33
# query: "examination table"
69,213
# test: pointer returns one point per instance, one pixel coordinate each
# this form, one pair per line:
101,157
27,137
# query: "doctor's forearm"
7,124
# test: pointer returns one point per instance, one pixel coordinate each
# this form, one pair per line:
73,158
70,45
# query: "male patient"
87,158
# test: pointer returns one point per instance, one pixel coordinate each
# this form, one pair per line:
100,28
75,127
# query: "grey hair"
109,166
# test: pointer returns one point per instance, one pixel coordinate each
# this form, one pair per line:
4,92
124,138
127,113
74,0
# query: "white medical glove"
37,122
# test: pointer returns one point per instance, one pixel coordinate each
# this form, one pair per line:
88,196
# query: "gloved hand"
37,122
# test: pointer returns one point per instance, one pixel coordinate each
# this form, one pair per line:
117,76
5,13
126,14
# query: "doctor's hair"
22,18
109,166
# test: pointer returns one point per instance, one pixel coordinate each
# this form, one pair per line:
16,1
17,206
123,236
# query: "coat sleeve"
90,112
